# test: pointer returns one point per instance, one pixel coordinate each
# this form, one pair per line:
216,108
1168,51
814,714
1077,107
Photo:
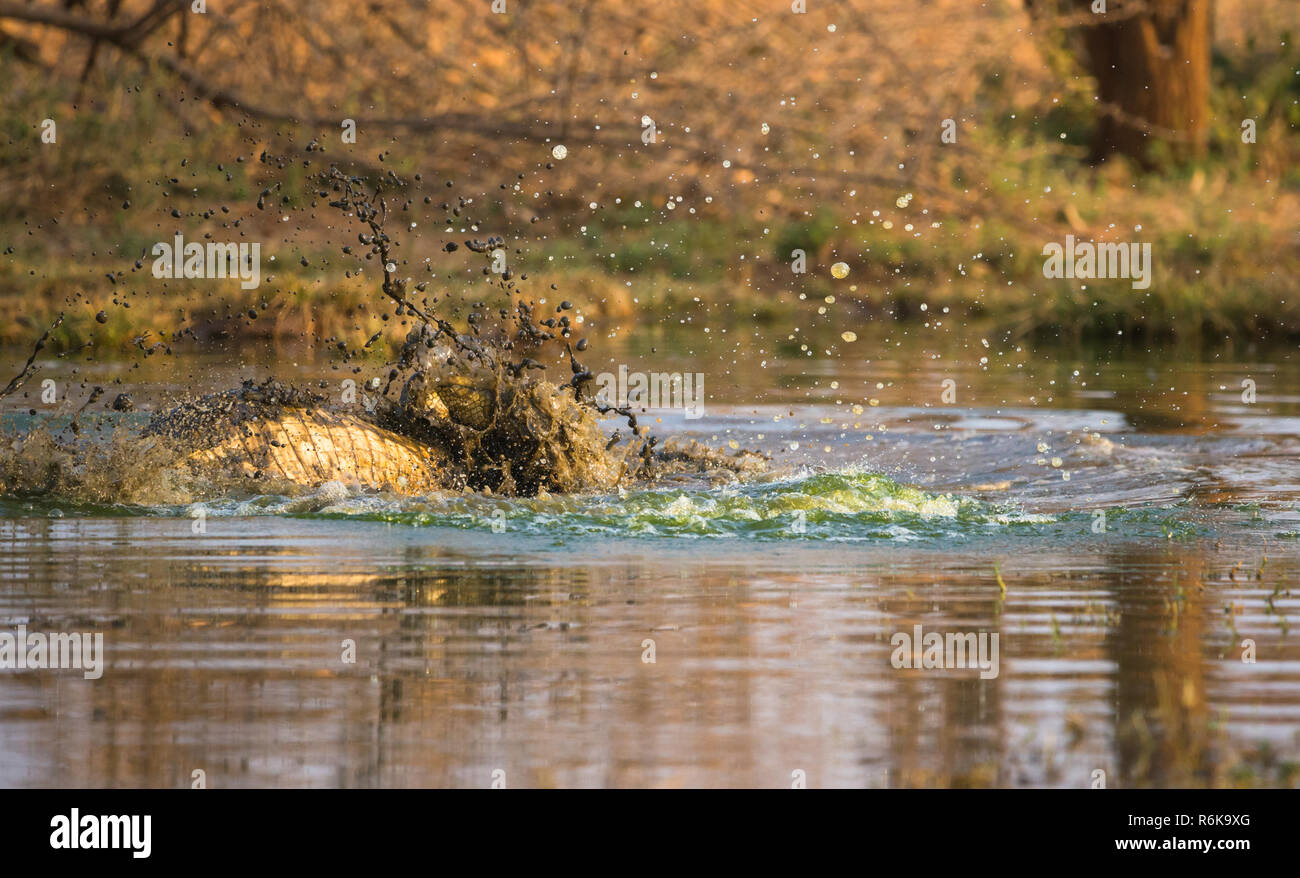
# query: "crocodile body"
454,432
277,433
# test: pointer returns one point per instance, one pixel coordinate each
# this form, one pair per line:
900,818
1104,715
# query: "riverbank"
1233,279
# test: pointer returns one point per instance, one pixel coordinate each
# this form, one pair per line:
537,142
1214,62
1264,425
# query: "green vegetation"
83,214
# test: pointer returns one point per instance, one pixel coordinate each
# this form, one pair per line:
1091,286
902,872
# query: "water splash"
844,505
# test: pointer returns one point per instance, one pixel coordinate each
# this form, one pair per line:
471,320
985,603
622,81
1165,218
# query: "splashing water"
468,399
847,505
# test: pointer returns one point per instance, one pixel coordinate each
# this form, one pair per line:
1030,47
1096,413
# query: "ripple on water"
849,504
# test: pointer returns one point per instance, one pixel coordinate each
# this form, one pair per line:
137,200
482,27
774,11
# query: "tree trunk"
1153,77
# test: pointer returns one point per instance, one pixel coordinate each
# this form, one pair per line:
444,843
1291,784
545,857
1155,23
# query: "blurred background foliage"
773,132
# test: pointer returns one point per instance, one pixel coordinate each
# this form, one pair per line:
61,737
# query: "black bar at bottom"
336,829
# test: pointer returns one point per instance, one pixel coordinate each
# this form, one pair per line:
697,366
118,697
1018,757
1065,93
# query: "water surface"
1121,517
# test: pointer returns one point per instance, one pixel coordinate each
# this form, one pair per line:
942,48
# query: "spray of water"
462,407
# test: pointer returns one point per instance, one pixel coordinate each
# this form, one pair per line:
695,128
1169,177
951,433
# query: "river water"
1126,520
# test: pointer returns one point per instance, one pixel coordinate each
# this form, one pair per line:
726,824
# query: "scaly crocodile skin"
313,446
468,400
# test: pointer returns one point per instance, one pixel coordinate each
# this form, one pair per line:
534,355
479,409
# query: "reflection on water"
476,652
1121,634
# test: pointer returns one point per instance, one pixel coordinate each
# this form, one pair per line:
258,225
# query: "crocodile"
452,429
467,430
276,432
465,419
